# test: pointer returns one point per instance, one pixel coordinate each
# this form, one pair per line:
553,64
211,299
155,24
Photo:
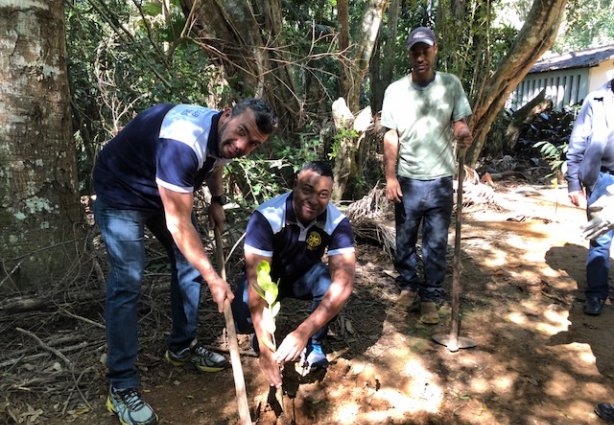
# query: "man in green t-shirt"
423,113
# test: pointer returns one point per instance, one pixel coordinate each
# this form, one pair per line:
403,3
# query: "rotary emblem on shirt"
313,240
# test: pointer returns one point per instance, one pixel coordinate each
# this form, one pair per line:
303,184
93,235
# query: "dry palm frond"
368,217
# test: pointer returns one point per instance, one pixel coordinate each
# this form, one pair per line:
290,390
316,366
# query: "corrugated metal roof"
580,59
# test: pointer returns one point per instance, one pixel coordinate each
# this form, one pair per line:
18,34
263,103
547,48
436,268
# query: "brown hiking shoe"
428,313
411,299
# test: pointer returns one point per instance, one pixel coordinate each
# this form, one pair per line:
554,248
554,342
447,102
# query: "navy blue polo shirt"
274,231
174,146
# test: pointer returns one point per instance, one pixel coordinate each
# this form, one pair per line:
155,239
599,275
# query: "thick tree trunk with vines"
356,65
535,38
384,58
248,50
39,190
354,70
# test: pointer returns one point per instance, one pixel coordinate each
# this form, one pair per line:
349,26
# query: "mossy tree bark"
38,175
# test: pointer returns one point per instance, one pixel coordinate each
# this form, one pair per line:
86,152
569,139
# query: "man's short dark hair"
320,167
266,120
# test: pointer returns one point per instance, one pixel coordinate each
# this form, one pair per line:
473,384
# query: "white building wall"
599,75
566,87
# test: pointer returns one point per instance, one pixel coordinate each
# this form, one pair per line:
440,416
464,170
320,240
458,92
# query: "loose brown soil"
538,359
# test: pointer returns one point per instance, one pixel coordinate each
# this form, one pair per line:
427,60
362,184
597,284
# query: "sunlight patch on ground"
583,352
548,329
480,385
517,318
505,382
423,389
556,321
347,413
582,408
496,259
559,317
415,390
588,357
597,391
518,241
576,358
560,384
550,272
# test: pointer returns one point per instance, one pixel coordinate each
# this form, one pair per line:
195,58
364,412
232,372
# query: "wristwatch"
219,199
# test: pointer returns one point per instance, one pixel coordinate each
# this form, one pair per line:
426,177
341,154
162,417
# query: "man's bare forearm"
391,153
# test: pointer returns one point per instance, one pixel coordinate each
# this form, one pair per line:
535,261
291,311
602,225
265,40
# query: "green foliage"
553,154
342,135
552,131
121,61
126,56
257,178
502,38
268,291
587,24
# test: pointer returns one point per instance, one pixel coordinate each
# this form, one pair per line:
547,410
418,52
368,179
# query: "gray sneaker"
129,407
203,359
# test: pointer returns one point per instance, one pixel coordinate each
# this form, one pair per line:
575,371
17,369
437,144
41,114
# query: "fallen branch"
83,319
58,354
24,304
36,356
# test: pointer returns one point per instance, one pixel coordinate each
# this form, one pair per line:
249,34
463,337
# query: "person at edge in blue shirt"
292,232
146,176
590,166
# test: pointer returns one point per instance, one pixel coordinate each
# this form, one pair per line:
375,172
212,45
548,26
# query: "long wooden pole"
457,266
233,345
453,340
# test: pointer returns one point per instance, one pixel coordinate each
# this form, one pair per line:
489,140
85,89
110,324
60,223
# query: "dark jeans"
123,234
311,286
598,260
426,202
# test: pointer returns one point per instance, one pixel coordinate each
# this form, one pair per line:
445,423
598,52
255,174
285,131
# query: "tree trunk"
343,26
356,68
384,59
245,43
535,38
524,116
353,73
345,148
38,174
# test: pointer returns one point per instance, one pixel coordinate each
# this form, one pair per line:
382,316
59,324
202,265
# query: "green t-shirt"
423,116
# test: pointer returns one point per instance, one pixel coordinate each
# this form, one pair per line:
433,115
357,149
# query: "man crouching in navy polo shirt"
292,232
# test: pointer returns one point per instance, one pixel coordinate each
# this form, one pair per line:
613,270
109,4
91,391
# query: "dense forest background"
78,70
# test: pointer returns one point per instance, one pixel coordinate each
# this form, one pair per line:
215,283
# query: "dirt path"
538,359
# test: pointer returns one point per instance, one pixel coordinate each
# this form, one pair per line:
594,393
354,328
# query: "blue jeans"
426,202
598,261
123,234
311,286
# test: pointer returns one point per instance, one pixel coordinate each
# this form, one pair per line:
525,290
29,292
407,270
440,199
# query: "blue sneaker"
130,408
314,357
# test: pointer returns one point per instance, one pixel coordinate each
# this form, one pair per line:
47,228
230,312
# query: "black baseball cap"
421,35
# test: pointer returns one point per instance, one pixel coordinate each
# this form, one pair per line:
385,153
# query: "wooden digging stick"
233,345
452,340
